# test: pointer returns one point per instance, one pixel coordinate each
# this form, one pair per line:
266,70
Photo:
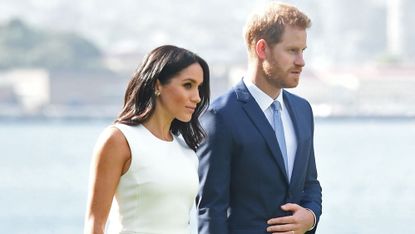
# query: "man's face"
284,60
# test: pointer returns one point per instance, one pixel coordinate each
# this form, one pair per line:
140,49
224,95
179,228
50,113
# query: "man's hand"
299,222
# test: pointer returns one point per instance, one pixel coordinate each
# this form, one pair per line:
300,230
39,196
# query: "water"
365,167
366,170
44,176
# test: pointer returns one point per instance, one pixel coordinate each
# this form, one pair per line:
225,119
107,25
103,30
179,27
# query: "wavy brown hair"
162,64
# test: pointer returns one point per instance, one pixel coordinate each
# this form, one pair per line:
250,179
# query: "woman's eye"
188,85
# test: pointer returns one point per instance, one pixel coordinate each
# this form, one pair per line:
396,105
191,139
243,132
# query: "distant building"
400,20
27,89
360,91
37,92
86,94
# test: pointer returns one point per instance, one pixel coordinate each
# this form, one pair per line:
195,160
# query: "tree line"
23,46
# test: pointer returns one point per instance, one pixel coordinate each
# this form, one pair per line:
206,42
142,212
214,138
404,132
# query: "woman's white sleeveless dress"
157,193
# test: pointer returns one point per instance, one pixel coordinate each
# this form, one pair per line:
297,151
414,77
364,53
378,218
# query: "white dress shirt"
264,101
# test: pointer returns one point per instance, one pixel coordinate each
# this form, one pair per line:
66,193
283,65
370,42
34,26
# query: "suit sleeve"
312,198
214,174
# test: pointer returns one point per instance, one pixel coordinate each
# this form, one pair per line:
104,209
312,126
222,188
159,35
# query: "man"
255,179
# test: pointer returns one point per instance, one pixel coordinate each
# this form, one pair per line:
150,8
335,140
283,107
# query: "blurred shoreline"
107,119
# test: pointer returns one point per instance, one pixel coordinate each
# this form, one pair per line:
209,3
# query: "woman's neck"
159,125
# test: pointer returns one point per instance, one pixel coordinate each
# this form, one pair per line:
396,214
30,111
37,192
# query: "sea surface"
366,168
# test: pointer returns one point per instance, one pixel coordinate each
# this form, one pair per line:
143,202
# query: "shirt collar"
264,101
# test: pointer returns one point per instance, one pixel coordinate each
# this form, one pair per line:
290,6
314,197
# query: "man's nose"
299,60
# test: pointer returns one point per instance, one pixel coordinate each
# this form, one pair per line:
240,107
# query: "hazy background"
360,55
352,32
64,66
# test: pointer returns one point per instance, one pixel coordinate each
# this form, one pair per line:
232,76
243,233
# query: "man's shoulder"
295,98
224,101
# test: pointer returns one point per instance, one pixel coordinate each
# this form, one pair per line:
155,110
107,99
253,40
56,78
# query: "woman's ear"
260,49
157,88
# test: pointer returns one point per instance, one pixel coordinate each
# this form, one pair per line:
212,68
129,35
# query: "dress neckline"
157,138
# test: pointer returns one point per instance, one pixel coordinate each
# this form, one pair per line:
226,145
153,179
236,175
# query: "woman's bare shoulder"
112,143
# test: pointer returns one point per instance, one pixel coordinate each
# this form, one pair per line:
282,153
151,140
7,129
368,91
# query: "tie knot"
276,106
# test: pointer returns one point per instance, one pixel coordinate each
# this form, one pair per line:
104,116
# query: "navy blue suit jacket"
242,175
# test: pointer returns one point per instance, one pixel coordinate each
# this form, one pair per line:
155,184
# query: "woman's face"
180,95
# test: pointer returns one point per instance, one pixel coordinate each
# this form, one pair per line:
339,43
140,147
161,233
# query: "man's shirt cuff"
315,219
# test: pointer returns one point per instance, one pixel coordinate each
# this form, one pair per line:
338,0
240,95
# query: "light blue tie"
279,132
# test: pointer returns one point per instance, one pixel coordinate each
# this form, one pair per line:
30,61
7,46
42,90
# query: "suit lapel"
258,118
297,121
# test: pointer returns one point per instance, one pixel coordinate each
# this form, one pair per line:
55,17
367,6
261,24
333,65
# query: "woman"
144,167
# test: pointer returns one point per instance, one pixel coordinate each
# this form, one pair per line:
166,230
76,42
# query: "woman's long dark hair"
162,64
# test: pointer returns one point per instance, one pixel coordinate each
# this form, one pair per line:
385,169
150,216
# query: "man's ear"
260,49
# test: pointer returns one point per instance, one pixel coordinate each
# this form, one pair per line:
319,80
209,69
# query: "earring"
157,93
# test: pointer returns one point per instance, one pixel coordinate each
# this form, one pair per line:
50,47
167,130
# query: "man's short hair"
269,22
